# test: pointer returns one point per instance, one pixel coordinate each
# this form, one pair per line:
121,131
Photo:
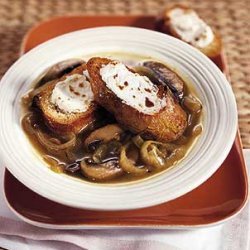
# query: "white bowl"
212,147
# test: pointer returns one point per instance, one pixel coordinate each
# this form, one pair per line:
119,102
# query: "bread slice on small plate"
55,105
183,22
134,101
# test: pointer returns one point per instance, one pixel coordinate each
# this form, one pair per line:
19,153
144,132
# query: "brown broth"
57,161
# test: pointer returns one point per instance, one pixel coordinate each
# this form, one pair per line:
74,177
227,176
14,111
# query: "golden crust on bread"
166,125
58,121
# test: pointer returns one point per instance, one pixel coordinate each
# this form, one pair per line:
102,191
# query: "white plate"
219,120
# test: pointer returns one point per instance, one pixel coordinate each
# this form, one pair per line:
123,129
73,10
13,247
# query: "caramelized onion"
128,164
160,155
138,141
26,123
197,130
53,145
50,143
54,164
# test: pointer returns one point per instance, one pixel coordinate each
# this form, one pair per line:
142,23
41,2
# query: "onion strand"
128,164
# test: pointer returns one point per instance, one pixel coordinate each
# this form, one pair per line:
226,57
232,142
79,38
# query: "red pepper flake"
121,87
81,85
148,103
126,83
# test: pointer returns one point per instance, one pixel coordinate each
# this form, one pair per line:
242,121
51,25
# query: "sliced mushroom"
107,151
166,77
144,71
60,69
101,172
104,134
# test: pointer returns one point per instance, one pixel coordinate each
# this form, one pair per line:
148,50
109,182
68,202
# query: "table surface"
231,18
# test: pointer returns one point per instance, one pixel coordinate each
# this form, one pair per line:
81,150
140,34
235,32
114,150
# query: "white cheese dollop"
133,89
190,27
73,95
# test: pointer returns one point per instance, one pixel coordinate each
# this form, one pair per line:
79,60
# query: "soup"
106,147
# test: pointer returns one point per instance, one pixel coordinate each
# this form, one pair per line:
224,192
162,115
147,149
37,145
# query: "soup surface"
105,150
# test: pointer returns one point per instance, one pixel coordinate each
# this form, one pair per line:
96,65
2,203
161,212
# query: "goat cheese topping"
190,28
73,95
133,89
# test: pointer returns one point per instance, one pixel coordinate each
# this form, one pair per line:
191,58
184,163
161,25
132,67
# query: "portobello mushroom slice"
103,135
106,152
166,77
103,164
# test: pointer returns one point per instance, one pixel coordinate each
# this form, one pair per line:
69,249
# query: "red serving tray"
219,198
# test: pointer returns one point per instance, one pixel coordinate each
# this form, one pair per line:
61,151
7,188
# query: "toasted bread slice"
163,24
63,122
166,125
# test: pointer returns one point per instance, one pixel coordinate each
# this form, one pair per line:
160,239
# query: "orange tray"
219,198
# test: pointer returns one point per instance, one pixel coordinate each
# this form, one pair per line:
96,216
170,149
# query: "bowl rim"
124,30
